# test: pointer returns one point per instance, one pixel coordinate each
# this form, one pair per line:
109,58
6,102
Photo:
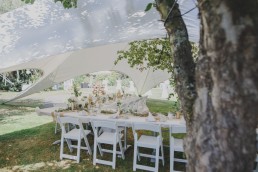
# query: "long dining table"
124,120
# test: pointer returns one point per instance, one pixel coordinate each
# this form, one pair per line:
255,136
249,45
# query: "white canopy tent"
67,43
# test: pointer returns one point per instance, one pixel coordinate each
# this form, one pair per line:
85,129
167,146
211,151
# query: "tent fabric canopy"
65,43
62,67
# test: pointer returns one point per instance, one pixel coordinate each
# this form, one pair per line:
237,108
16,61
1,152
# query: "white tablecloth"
125,122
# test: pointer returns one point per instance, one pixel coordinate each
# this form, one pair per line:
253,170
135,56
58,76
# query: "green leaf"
148,7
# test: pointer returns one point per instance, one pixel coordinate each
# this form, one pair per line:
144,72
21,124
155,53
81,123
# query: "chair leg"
88,146
69,143
78,150
138,154
135,153
121,148
171,159
95,151
157,159
100,149
162,154
114,156
62,148
125,138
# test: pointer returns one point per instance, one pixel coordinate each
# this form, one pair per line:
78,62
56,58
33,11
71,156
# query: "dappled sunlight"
62,165
11,121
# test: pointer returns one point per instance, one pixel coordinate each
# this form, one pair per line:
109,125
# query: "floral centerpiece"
76,90
98,90
90,100
119,95
118,104
73,102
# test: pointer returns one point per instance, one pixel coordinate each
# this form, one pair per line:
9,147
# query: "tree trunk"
226,109
184,66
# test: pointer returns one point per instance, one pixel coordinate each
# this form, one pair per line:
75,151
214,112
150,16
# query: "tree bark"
225,114
184,66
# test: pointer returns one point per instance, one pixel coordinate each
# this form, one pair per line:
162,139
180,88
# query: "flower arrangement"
73,102
118,104
90,100
76,90
72,99
119,94
98,90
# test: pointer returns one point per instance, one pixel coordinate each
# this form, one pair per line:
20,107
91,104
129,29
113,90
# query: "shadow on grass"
35,145
22,102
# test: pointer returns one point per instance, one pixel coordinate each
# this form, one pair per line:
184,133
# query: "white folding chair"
153,142
76,134
176,145
122,129
110,137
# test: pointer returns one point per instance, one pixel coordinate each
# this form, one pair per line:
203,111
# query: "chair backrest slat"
146,126
71,120
84,120
178,129
106,124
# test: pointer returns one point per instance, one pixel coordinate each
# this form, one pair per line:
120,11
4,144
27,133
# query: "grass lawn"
18,117
32,149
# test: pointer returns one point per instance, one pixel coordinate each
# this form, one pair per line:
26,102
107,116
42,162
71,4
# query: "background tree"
8,5
143,54
18,78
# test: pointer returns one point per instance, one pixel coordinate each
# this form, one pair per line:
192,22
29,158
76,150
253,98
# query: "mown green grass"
161,106
18,117
34,145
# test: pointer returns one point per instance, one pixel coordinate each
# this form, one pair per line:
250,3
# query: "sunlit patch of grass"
16,117
161,106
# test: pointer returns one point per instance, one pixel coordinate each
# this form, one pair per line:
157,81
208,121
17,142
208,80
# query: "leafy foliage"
154,53
76,90
26,76
148,7
65,3
28,1
68,3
